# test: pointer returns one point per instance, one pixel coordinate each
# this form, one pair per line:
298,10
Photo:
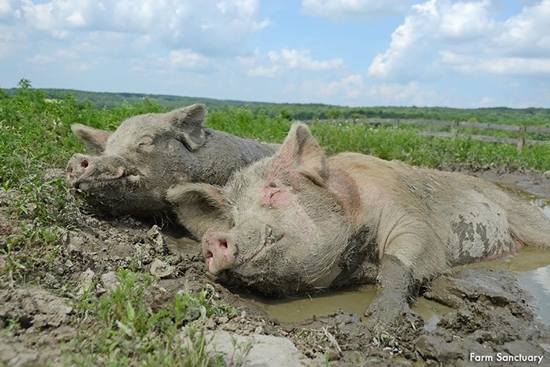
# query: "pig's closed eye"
272,196
145,142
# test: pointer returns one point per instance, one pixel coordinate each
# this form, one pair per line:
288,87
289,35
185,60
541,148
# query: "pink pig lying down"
299,221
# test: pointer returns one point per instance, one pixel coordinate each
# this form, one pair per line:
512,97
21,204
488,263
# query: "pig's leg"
395,288
408,260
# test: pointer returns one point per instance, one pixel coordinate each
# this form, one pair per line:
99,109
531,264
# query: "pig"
301,222
128,171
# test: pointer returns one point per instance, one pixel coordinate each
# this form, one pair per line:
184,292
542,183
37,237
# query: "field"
77,289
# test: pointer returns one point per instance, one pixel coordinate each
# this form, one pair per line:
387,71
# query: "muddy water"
353,300
530,265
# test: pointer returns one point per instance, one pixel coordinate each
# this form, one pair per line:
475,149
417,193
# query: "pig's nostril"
208,255
223,245
84,164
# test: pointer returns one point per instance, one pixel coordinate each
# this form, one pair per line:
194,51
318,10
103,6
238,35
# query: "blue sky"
478,53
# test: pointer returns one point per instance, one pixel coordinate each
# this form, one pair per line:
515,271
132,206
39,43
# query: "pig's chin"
264,282
118,197
211,264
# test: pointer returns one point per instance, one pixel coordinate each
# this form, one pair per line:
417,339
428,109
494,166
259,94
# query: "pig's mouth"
239,263
270,238
89,182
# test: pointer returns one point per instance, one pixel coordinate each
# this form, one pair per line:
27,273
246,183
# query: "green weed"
121,328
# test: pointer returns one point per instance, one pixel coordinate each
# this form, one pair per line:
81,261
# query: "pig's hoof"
386,311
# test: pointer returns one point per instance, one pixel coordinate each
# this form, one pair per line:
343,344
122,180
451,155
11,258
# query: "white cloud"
301,59
351,87
288,59
7,9
465,21
441,36
354,88
265,71
186,59
408,93
212,28
487,102
341,9
528,33
41,59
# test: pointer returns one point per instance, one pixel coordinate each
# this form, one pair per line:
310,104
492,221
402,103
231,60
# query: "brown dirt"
492,312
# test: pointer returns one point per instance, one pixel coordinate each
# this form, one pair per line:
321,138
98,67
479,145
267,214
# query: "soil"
492,316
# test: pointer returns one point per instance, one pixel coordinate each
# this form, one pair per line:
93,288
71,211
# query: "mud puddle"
531,266
292,310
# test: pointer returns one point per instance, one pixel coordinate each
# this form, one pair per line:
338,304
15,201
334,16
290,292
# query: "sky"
467,54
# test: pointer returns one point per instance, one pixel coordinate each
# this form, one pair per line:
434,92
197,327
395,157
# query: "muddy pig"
129,170
302,222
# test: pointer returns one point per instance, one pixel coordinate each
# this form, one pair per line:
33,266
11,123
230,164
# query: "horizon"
347,53
141,94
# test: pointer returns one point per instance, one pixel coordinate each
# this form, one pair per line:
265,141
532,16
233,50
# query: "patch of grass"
240,121
35,138
407,146
121,328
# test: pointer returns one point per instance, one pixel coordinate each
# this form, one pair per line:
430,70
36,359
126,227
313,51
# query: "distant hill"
503,115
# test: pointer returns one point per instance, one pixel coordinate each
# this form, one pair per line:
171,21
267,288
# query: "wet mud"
484,315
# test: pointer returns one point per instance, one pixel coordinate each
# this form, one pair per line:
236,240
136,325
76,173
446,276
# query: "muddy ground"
492,318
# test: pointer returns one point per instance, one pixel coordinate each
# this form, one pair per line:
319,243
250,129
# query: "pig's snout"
84,169
79,164
218,252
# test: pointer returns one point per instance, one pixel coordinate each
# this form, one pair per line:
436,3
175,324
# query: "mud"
484,313
534,182
530,266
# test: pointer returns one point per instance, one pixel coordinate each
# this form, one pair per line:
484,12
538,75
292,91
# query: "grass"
384,142
121,329
407,146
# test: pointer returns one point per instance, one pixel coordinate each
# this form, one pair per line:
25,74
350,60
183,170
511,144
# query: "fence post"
521,139
396,124
454,129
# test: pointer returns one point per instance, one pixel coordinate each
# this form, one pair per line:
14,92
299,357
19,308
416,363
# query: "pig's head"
130,169
281,225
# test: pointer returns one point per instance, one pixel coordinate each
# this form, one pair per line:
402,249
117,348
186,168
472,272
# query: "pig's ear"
94,140
200,207
189,125
301,152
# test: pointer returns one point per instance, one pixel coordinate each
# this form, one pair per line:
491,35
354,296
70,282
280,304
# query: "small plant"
123,329
10,264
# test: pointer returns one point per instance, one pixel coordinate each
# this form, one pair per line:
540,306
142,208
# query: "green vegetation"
311,111
126,332
407,146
